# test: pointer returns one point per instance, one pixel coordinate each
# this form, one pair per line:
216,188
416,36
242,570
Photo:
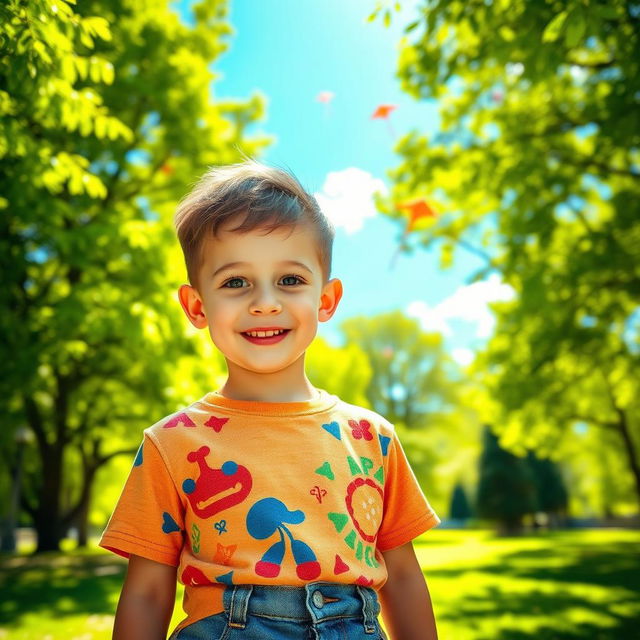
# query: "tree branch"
34,418
602,64
586,163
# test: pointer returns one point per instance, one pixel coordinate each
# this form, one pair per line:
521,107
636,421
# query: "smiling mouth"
265,334
265,337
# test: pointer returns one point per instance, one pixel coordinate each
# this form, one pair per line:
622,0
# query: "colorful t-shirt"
235,492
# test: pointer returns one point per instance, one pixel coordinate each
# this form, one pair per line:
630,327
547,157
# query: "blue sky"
290,51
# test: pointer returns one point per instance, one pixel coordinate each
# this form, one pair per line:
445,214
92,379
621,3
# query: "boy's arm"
146,602
406,604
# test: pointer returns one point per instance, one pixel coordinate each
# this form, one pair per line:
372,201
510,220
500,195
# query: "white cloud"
347,197
463,356
469,304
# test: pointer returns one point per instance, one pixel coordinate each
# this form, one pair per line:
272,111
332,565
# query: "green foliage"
105,119
536,168
460,508
551,492
416,386
411,373
506,489
511,487
343,371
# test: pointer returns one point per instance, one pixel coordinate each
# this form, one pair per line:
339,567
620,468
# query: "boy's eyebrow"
240,265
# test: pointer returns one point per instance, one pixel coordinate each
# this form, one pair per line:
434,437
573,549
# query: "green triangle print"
379,475
351,539
326,471
353,465
339,520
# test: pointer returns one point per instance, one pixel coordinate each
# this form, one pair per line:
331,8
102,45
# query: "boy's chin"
265,368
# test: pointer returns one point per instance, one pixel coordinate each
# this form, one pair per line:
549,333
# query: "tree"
506,487
460,509
342,371
411,374
551,493
536,168
417,387
106,119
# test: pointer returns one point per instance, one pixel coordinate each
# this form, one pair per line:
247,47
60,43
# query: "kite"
418,208
382,112
326,97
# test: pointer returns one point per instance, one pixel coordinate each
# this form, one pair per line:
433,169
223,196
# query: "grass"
557,586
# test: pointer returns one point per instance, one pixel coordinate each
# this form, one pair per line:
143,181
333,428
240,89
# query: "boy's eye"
235,283
291,280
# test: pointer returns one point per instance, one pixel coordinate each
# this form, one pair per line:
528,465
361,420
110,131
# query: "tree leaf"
552,31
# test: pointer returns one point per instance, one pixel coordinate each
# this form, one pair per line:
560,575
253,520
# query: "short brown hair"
269,198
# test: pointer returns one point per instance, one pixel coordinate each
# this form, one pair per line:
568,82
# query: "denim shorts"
317,611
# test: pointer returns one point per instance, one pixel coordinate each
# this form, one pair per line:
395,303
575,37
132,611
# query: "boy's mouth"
265,336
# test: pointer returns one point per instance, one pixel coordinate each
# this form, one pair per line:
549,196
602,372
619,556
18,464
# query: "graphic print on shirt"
177,420
216,489
263,520
169,525
139,457
195,538
364,498
224,553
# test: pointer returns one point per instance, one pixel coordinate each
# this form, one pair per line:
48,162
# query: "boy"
283,510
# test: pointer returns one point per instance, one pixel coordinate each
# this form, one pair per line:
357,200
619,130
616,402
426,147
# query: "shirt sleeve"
148,520
407,513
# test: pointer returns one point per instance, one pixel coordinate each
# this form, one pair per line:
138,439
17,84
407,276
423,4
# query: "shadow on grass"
59,584
582,582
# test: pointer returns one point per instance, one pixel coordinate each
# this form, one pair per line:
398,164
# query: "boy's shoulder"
357,412
188,417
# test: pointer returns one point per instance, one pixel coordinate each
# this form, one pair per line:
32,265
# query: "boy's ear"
329,298
192,306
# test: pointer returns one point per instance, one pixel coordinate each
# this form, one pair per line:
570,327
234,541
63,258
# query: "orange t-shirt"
235,492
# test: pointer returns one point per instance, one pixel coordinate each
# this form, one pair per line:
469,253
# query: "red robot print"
216,489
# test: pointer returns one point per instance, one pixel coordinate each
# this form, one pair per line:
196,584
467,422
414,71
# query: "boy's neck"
290,385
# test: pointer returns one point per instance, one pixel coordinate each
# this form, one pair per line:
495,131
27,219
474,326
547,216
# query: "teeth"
265,334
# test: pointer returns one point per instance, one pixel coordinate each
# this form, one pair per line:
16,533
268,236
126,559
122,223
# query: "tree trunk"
81,512
82,522
48,519
622,427
510,527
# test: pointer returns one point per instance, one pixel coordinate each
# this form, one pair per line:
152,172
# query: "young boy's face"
261,294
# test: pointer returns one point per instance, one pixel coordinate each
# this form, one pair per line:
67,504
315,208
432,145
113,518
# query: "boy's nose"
265,304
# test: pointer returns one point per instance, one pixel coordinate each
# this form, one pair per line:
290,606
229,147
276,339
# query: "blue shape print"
169,525
384,443
333,428
263,520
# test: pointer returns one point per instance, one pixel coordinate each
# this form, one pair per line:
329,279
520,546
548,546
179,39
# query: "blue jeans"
318,611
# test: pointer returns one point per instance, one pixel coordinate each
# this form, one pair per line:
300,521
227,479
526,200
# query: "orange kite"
418,208
383,111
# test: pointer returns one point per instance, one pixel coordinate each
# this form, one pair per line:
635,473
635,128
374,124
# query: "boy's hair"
260,197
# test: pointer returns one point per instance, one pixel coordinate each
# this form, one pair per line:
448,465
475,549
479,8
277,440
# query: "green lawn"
558,586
